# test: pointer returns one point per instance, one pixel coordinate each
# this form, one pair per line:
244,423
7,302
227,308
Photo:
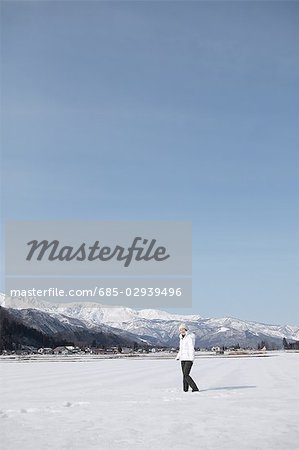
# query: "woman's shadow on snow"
227,388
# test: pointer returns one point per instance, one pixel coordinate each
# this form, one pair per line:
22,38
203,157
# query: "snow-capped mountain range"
150,326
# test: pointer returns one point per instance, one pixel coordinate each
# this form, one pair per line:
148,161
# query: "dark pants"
187,380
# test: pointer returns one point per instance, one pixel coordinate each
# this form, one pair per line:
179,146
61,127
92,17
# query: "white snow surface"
138,403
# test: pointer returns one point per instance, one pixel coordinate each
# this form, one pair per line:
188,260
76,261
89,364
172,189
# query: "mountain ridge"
156,327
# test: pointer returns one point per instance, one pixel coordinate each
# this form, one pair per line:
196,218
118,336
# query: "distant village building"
45,351
61,350
126,350
216,349
103,351
96,351
293,345
70,348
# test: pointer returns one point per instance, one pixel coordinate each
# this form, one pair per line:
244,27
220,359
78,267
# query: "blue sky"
163,111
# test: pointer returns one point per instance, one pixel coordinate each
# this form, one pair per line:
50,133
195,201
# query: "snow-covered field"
244,403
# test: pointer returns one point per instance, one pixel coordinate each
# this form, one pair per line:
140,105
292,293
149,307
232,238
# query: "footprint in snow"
71,405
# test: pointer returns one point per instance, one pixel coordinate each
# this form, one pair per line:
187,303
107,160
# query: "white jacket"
187,343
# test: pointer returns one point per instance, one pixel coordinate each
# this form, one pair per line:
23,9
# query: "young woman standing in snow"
186,356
